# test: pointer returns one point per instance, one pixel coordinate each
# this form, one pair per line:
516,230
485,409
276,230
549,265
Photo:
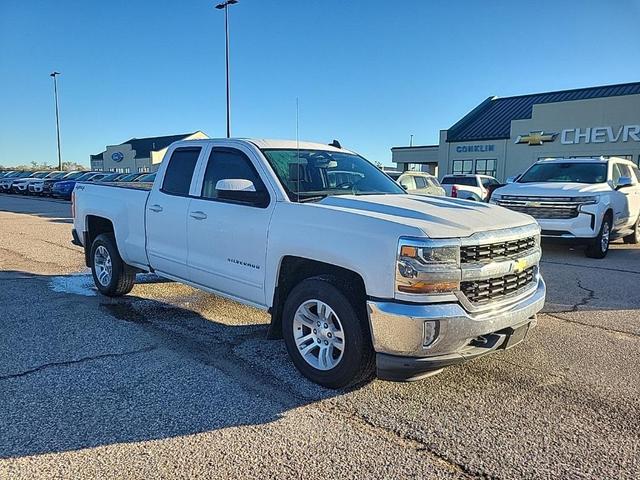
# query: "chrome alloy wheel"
606,234
318,334
102,265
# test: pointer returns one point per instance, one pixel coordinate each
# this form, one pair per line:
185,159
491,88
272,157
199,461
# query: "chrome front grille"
496,251
481,292
542,207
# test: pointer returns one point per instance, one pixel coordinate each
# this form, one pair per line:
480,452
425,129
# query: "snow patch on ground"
74,284
82,284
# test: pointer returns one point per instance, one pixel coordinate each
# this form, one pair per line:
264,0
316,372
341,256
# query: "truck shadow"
92,371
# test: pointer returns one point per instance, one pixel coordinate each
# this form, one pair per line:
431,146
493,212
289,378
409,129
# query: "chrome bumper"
398,329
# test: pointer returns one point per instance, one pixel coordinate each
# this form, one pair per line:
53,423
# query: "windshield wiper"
313,198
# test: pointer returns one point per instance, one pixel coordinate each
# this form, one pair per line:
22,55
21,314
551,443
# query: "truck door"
166,215
227,228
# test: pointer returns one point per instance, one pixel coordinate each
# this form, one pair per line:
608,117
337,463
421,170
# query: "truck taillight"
454,191
73,205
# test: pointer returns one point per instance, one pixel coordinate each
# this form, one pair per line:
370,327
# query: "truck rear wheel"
326,334
111,275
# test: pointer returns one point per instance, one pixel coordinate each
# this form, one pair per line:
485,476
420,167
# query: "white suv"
592,200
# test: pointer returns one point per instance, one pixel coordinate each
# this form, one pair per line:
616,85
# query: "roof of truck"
267,144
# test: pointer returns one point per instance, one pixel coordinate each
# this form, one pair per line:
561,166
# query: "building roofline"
415,146
570,90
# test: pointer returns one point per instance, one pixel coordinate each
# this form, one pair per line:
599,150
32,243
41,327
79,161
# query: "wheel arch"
95,225
294,269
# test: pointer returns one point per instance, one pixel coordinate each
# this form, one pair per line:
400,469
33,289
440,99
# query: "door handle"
155,208
198,215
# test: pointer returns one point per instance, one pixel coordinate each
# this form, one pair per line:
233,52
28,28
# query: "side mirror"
240,190
513,179
624,182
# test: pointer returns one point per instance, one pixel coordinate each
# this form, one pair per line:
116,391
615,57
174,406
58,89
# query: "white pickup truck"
469,186
580,200
355,272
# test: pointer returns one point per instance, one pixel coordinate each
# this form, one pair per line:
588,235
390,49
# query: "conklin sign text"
475,148
571,136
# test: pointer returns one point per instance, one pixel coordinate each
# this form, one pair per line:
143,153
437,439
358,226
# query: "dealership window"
486,166
143,170
462,166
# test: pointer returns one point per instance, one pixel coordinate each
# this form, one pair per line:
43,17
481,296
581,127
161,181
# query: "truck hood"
437,217
551,189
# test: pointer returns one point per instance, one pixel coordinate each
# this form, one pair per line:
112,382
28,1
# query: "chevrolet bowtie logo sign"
536,138
518,265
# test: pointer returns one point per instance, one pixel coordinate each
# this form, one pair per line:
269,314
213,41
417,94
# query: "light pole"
225,5
55,94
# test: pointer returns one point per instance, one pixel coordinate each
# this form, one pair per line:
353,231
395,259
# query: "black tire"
357,364
597,248
634,238
123,277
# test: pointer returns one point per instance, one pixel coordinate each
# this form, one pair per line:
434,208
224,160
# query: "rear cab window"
469,181
179,173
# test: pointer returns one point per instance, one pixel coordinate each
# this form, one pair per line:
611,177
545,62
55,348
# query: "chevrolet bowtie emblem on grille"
536,138
518,265
532,204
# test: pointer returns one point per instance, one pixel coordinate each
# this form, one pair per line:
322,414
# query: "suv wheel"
599,246
326,333
635,236
111,275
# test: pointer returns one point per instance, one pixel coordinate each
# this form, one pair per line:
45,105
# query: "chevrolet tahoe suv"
358,275
585,200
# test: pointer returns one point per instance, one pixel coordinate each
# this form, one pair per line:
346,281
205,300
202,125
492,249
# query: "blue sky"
368,73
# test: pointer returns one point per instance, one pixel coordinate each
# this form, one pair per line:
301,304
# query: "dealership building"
504,136
137,155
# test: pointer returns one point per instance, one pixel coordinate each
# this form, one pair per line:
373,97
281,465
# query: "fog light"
430,333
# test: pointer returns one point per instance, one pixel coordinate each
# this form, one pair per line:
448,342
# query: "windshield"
561,172
109,178
85,176
128,178
147,178
319,173
56,175
470,181
73,175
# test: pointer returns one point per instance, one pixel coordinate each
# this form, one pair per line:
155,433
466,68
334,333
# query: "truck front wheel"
111,275
599,246
327,334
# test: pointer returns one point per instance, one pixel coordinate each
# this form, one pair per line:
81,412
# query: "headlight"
587,200
427,268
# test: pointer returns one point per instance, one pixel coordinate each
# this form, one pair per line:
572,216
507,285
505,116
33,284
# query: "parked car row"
61,184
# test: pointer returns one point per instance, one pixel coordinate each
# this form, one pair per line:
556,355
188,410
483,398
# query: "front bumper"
37,188
398,333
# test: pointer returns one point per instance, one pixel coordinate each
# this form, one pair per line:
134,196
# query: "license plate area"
514,336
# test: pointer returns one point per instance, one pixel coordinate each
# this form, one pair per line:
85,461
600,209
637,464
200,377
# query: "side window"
177,178
625,171
636,171
407,183
420,182
230,164
615,173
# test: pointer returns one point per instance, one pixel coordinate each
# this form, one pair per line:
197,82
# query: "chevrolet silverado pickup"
581,200
357,274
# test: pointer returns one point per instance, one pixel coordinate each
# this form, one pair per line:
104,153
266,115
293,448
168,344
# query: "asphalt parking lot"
169,381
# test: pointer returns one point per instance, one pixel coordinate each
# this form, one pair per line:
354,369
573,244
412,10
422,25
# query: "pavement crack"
77,361
610,269
599,327
591,295
410,440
